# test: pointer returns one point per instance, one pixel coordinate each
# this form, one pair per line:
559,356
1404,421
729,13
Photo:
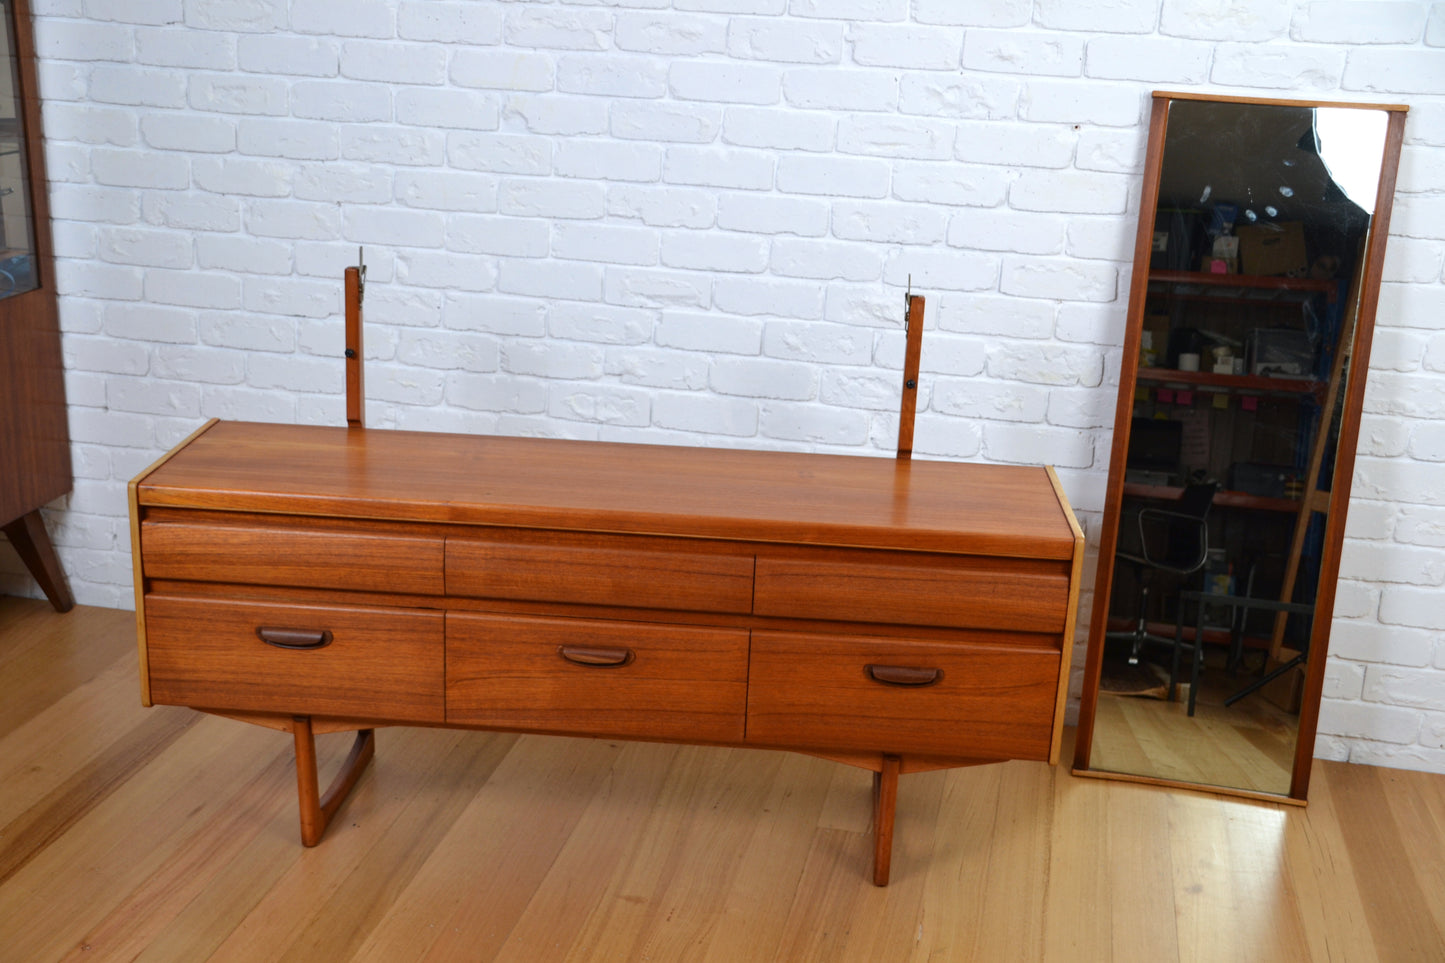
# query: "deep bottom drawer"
383,664
984,701
604,678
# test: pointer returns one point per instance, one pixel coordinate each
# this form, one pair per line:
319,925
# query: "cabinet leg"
32,542
317,810
885,798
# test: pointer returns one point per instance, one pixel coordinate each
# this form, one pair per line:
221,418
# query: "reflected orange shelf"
1233,384
1246,282
1223,498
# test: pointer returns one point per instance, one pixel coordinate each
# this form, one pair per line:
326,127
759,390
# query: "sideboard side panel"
137,558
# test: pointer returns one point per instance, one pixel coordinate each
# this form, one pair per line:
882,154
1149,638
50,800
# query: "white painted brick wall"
691,222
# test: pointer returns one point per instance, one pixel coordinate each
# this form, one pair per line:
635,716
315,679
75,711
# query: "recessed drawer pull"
903,675
602,658
294,638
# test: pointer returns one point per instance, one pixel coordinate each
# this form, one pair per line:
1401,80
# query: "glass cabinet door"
17,227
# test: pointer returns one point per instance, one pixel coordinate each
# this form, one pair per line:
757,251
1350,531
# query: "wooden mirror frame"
1369,289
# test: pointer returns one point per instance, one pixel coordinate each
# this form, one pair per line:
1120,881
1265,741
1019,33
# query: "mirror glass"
1234,384
17,230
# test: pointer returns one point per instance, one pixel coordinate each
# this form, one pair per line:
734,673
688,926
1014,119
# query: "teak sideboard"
893,615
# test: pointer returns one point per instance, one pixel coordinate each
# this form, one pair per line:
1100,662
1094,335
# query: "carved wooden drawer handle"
903,675
602,658
294,638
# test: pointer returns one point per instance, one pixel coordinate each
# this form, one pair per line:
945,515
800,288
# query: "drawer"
257,550
382,664
986,700
909,589
618,570
593,677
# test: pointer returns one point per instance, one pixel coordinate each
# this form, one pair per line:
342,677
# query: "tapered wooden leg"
32,542
885,798
317,810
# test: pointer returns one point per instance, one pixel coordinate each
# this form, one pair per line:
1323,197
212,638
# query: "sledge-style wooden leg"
885,798
317,810
32,543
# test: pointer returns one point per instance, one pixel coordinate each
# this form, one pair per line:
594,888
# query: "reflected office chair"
1174,541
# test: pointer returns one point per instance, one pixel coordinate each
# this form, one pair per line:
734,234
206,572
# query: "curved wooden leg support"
317,810
885,798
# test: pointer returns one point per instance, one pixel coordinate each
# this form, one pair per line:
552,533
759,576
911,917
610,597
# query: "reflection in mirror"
17,230
1249,321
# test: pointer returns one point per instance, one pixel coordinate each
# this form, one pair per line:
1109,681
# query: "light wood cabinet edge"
133,495
1071,612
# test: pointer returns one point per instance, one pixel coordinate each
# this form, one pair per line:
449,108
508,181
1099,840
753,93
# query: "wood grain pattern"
138,579
914,590
1249,747
354,287
653,573
1071,615
298,552
637,489
383,664
223,563
317,810
34,431
914,306
31,541
161,835
991,701
683,681
885,806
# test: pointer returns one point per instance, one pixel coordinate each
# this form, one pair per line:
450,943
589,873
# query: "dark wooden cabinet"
34,440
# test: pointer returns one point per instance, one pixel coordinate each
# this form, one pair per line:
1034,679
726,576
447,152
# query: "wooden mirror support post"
913,305
885,777
891,615
316,809
355,284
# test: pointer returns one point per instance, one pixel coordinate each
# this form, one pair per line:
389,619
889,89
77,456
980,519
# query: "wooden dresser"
895,615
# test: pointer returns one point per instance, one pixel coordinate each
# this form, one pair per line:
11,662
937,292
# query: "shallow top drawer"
618,570
911,588
275,550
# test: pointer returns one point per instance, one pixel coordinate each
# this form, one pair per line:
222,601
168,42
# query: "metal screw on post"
354,282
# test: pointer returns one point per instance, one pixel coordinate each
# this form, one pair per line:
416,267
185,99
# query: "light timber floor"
160,834
1247,746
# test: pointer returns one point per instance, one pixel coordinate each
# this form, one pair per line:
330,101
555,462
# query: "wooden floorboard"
163,835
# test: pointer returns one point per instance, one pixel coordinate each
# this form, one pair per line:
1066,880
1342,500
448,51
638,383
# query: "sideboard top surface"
746,495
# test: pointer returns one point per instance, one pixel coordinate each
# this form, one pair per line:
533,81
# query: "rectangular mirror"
1256,275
